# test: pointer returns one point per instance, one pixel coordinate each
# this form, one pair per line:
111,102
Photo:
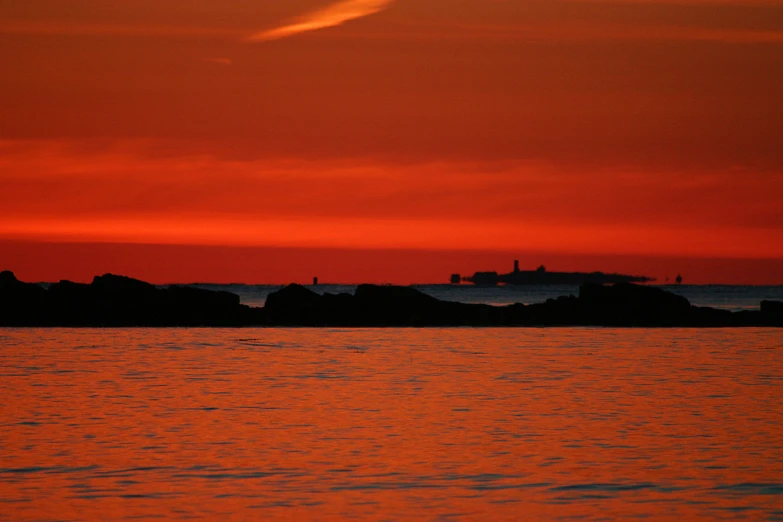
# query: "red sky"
391,140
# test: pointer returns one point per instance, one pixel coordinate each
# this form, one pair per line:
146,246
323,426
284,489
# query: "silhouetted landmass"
541,276
112,300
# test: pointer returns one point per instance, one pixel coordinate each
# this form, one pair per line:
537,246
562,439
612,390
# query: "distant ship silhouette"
541,276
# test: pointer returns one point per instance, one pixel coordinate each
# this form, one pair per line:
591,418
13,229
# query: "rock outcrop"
19,302
622,304
112,300
772,308
626,304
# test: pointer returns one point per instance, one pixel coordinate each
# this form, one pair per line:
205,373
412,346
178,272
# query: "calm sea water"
391,424
718,296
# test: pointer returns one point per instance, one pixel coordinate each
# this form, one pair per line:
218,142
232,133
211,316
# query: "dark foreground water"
395,424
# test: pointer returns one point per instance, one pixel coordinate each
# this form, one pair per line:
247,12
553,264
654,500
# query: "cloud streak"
217,61
111,29
330,16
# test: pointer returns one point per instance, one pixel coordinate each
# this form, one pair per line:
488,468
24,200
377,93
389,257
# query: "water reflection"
392,424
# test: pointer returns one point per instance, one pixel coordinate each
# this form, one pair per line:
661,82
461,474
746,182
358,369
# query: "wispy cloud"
217,61
330,16
111,29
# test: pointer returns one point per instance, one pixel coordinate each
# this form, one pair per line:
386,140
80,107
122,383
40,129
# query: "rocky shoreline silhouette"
118,301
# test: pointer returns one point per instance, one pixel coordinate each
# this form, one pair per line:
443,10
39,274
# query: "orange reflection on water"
393,424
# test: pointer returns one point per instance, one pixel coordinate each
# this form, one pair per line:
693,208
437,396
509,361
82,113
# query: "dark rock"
406,306
711,317
626,304
772,312
9,282
68,291
749,318
112,300
295,305
20,303
340,310
565,310
394,297
122,285
338,300
394,305
374,305
124,301
513,315
192,297
7,279
71,303
772,307
292,297
187,305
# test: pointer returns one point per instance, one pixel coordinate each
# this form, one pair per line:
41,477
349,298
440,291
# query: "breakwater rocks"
112,300
622,304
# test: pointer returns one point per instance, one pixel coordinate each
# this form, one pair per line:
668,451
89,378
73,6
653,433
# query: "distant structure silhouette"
678,280
540,276
315,281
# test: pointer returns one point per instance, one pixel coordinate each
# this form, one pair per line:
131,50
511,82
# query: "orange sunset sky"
391,141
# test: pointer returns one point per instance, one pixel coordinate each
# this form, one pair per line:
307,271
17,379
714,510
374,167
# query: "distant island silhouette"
118,301
541,276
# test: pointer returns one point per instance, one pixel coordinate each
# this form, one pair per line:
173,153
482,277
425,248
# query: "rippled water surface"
496,424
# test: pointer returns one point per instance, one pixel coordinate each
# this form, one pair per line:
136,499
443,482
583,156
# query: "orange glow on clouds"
330,16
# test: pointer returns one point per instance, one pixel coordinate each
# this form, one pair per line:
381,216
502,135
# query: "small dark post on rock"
315,281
